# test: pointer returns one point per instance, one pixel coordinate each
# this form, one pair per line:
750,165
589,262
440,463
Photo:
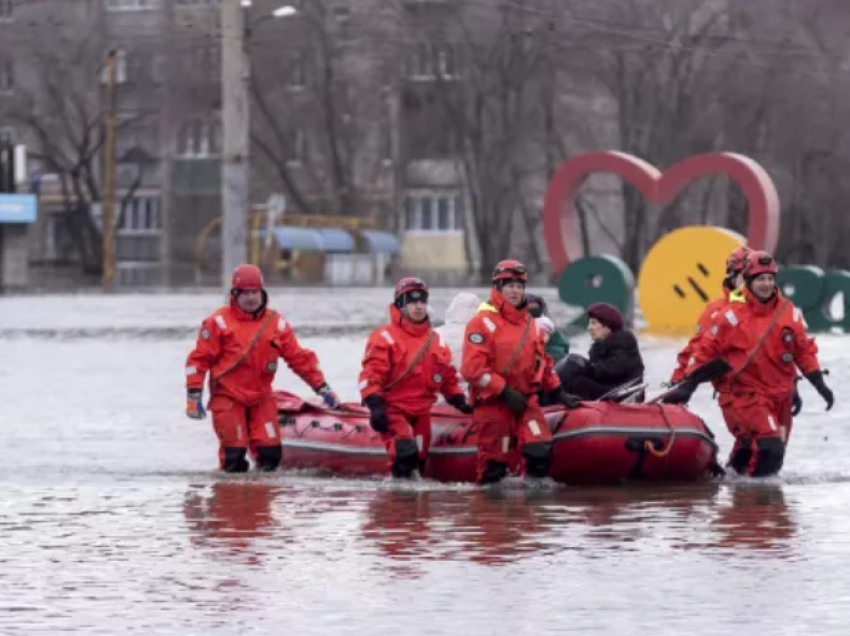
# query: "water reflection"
487,526
231,517
495,527
756,517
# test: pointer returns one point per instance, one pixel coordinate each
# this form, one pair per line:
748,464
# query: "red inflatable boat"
597,443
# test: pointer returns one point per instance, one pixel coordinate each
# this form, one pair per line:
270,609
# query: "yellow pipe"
203,237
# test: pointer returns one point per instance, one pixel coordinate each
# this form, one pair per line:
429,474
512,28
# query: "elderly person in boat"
614,358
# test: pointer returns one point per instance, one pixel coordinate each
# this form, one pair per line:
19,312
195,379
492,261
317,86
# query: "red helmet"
737,260
759,263
247,277
510,270
408,285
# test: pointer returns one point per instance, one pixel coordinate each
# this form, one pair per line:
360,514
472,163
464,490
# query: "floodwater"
113,519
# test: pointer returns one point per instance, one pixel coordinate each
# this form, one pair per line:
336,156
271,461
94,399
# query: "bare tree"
322,104
63,112
660,63
485,76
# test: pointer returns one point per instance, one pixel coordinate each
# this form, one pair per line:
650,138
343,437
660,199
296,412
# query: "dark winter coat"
612,362
616,359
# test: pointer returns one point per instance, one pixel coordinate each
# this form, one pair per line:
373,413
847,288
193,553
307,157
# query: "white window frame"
199,139
453,198
143,217
426,63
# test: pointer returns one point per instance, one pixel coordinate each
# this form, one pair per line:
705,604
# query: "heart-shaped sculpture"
559,214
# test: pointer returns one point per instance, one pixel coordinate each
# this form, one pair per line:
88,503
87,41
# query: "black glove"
681,394
459,402
516,402
816,378
560,396
796,402
378,419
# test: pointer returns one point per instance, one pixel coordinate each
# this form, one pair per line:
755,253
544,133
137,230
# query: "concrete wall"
433,252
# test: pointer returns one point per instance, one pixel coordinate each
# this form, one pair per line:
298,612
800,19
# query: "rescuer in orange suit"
734,279
239,346
406,363
505,363
762,335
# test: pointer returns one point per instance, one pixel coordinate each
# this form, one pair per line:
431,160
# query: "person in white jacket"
462,308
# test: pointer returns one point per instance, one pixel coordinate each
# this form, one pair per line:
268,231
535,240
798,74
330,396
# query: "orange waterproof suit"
764,342
243,409
407,363
503,347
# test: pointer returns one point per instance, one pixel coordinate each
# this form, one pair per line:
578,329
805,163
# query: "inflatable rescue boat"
597,443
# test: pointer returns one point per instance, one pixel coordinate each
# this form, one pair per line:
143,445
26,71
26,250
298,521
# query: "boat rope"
650,447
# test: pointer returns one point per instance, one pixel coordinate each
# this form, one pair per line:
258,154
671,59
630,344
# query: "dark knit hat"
534,299
607,314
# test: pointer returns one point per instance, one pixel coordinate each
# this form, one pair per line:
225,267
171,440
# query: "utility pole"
235,125
109,177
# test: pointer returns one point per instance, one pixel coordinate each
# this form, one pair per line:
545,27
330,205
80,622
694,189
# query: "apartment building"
344,122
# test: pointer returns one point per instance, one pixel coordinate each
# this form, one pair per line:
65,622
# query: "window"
342,22
141,216
158,68
427,62
387,145
7,75
8,134
131,5
120,68
202,62
410,211
460,221
6,9
296,148
434,213
426,209
197,3
297,70
387,138
443,213
199,139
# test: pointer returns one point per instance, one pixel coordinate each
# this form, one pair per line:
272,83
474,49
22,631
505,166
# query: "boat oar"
623,390
707,372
